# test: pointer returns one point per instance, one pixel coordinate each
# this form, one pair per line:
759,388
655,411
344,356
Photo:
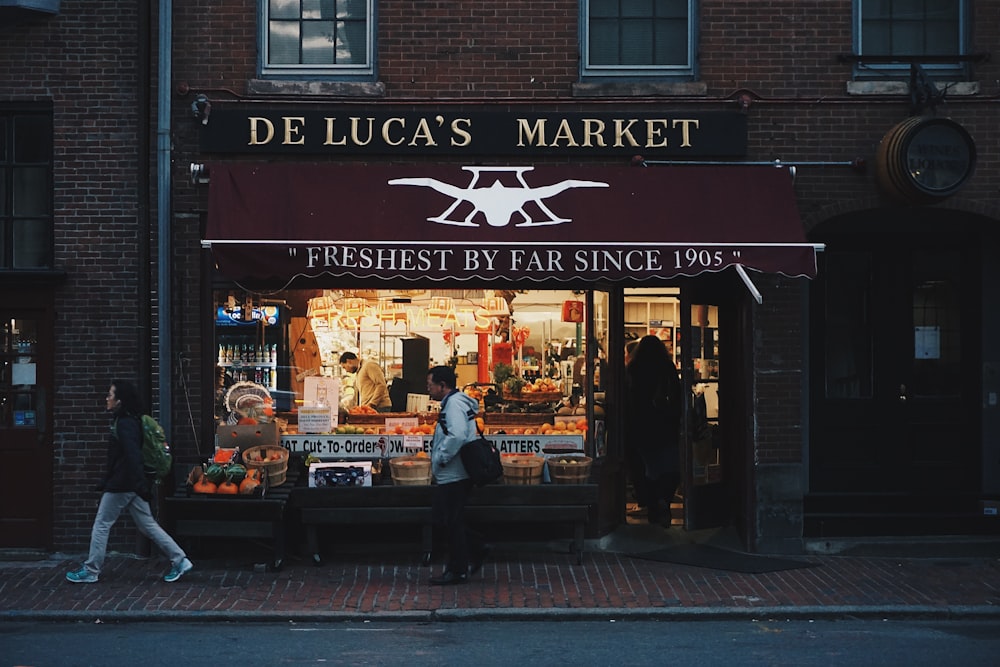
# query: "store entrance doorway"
25,428
695,330
894,442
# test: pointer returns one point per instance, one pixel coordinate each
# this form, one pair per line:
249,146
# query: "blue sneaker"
177,571
82,576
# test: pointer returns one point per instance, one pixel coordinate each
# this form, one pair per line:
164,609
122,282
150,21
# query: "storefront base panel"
778,509
895,514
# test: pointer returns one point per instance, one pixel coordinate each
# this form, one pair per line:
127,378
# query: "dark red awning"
454,223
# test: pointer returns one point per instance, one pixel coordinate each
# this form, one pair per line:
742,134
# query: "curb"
885,613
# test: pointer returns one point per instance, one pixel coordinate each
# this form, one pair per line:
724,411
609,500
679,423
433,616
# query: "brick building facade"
93,68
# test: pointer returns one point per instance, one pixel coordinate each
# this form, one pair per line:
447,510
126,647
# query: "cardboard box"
245,437
340,473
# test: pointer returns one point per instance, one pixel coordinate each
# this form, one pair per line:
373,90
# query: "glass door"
25,429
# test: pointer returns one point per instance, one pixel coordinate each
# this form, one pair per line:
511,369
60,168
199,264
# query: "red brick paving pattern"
517,581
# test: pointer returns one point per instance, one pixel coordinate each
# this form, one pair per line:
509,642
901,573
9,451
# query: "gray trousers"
110,508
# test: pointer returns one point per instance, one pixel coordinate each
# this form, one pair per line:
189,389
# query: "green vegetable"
216,474
236,473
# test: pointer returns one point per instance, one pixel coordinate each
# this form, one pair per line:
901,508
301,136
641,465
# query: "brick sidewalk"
516,582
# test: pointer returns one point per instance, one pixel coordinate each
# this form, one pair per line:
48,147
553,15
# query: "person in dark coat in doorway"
652,424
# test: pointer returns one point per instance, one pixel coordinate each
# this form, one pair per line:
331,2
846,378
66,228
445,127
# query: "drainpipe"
163,212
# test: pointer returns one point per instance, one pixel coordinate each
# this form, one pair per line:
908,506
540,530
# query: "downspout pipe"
163,212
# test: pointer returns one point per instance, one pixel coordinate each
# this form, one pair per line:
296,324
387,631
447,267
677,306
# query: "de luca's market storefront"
662,250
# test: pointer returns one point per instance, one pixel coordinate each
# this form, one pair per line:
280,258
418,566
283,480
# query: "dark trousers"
449,514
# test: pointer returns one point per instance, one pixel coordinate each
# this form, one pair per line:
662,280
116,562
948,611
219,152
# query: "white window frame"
314,72
685,71
865,70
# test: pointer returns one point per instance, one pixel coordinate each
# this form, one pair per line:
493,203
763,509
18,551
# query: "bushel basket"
410,470
569,469
261,457
522,469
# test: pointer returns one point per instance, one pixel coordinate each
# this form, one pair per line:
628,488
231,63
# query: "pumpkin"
248,485
203,485
228,488
246,421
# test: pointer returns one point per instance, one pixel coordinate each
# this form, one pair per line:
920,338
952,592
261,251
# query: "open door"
707,472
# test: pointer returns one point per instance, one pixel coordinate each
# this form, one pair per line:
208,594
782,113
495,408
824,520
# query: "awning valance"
278,222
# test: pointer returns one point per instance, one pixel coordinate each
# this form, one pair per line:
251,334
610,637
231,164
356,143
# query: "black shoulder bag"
481,459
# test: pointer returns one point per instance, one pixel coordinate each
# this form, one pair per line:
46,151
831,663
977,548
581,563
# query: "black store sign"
385,130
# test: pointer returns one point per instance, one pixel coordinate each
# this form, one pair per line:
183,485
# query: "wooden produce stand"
399,505
214,516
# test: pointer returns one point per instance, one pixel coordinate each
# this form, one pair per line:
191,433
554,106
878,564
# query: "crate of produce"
518,418
532,396
522,469
569,469
376,418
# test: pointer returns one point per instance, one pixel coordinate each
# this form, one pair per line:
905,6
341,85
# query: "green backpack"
156,458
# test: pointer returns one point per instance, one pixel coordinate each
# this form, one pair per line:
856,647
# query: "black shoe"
449,579
477,562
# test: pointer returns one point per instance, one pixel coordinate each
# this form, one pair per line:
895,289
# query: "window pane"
910,27
31,191
638,33
643,8
283,9
284,47
352,44
848,349
352,9
317,43
32,139
31,243
937,324
3,140
637,38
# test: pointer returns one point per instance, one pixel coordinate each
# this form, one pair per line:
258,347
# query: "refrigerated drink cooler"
251,348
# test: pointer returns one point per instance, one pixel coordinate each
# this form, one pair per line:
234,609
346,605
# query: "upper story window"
25,189
934,29
638,38
317,38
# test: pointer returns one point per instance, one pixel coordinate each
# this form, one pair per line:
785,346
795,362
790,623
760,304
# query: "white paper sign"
23,374
314,419
321,391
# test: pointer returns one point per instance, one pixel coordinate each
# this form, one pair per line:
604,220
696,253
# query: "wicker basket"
533,396
522,469
277,471
569,469
410,470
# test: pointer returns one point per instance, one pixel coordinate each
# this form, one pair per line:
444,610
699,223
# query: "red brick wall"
784,53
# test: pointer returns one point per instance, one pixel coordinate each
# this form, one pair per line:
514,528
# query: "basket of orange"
271,460
410,470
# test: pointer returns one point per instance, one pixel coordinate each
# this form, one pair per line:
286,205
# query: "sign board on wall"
312,130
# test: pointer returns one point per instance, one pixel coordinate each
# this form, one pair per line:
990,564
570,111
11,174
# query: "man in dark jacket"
125,486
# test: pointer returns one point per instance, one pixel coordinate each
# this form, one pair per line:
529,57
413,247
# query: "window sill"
316,88
954,88
640,89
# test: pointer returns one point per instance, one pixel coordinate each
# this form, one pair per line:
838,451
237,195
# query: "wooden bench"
412,505
210,516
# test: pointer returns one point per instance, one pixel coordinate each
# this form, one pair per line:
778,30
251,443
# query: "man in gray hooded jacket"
455,427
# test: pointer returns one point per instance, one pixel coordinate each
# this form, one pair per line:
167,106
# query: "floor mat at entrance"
701,555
